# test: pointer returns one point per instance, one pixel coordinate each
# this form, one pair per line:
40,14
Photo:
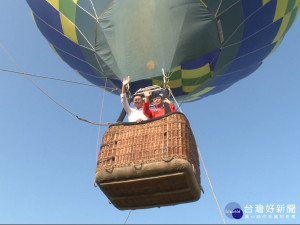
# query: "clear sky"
249,136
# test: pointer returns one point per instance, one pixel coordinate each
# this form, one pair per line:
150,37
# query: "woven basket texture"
163,139
130,151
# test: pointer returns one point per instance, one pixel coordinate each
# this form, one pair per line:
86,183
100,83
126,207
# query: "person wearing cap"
134,114
161,105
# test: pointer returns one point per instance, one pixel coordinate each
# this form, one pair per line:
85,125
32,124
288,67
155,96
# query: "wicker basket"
153,163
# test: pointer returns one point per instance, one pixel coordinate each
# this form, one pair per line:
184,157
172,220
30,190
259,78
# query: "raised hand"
126,81
147,93
166,100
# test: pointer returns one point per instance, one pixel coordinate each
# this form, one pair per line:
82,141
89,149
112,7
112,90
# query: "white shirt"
133,113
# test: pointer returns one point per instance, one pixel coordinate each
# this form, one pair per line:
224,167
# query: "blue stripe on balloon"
250,6
177,91
59,41
117,83
216,90
229,79
46,12
80,65
259,40
210,58
253,58
213,58
256,18
134,86
68,50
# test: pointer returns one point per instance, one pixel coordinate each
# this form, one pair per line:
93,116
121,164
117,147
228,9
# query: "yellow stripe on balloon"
265,1
296,4
196,73
189,89
33,17
68,28
204,91
203,3
54,3
175,83
298,9
280,9
283,26
172,83
276,46
177,68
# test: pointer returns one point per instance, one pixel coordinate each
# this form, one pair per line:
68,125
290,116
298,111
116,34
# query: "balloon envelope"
206,46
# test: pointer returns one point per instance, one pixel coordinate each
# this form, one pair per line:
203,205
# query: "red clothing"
158,111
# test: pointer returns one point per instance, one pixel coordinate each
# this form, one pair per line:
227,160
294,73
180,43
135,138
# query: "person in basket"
162,105
134,114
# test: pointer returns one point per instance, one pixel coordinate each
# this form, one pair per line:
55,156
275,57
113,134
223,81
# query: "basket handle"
167,159
138,166
109,168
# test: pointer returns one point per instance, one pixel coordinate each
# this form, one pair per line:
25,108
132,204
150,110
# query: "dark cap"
157,94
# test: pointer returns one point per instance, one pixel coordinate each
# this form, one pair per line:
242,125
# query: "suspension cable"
47,77
166,79
219,7
44,92
175,99
57,79
127,216
100,119
210,184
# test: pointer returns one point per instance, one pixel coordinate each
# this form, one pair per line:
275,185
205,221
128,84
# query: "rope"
58,79
212,189
46,77
95,123
227,8
166,85
100,119
95,17
70,54
253,34
44,92
249,53
21,71
83,9
101,71
92,48
219,7
232,34
127,217
175,99
105,10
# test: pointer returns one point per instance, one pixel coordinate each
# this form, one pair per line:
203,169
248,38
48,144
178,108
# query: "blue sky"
248,135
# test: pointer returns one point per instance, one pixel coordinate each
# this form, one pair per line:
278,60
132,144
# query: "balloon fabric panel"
206,46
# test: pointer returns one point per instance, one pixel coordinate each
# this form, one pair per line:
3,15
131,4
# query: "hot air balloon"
205,46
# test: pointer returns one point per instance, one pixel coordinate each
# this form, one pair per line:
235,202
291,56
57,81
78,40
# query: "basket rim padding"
111,174
147,121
